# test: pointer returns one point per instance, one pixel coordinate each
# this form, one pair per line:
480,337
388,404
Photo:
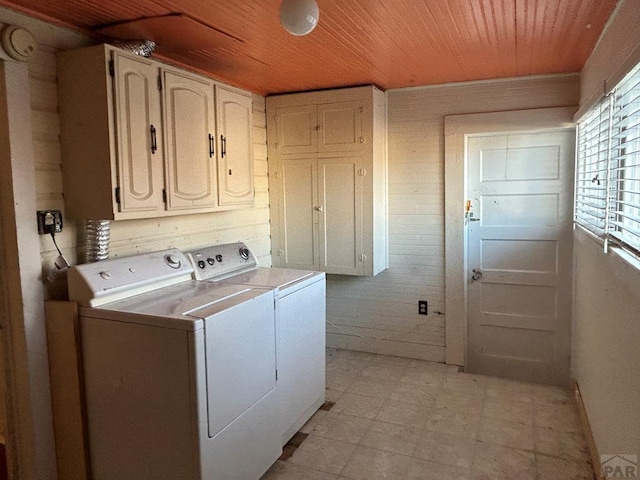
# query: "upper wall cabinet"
331,127
327,180
139,138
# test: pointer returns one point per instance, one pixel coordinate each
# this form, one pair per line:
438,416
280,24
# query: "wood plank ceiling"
390,43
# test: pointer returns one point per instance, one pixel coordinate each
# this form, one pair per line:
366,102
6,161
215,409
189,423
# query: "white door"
340,127
296,130
189,142
235,159
340,212
297,197
139,133
520,189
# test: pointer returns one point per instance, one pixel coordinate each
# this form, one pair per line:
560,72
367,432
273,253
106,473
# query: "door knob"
477,274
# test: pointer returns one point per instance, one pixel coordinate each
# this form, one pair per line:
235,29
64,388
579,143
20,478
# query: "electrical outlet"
422,307
49,221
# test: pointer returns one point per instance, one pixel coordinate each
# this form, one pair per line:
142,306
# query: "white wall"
380,314
606,324
606,351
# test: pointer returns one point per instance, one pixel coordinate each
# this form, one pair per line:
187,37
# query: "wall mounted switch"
49,221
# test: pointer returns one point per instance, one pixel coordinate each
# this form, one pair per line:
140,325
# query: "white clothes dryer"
300,327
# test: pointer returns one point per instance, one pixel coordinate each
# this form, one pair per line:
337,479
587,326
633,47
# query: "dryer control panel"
94,284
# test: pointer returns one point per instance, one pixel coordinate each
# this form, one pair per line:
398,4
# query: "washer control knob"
210,261
244,253
219,258
172,260
105,275
201,264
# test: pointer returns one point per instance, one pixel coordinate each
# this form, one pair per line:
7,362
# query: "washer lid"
185,300
273,277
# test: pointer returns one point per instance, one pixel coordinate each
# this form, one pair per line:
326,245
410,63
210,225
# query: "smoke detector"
18,43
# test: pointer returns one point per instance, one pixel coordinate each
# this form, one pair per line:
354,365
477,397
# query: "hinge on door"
160,82
164,195
112,68
118,195
276,375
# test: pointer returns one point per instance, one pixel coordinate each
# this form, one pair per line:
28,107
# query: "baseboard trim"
586,428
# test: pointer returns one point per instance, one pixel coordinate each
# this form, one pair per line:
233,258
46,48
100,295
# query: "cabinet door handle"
211,150
318,208
223,145
154,140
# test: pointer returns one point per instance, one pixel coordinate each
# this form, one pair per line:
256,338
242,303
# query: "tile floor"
401,419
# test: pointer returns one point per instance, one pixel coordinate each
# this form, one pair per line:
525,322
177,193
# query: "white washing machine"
179,375
300,327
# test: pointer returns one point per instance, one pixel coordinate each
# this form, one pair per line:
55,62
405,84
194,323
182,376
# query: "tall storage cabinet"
328,178
139,138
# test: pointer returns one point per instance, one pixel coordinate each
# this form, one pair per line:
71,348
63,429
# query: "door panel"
139,126
189,120
497,167
519,238
520,255
297,180
340,196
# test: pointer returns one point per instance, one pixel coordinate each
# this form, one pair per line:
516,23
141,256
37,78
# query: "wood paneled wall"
250,225
380,314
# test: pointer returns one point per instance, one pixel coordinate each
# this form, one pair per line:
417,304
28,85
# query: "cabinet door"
340,223
235,158
139,134
189,139
296,130
297,202
340,127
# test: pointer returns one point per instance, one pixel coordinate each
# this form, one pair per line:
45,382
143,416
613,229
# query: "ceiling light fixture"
299,17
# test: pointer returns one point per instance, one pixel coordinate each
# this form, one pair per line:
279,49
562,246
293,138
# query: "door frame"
457,129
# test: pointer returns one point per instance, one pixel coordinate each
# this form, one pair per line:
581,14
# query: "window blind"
607,200
624,168
592,167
